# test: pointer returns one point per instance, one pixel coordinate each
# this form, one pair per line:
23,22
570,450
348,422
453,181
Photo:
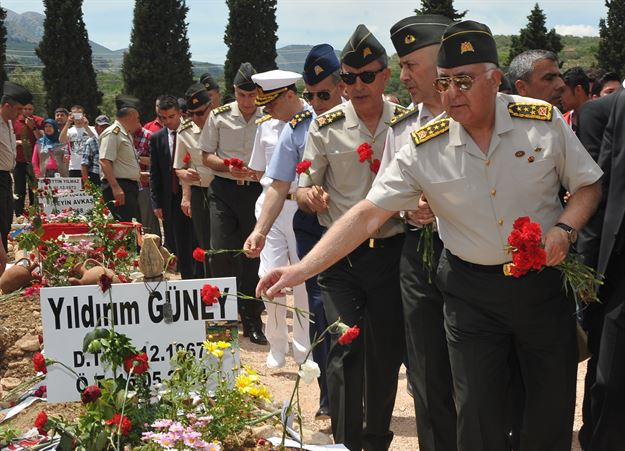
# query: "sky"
109,22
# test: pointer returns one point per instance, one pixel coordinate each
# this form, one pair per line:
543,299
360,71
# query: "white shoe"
275,360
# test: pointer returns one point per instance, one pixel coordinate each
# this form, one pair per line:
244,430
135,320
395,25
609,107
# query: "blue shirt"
289,150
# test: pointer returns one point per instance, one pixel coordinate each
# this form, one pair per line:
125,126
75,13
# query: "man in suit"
608,391
166,191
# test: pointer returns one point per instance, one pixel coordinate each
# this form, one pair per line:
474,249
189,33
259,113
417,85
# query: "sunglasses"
463,82
366,77
322,95
198,112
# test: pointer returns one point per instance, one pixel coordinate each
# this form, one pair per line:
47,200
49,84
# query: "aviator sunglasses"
463,82
322,95
366,77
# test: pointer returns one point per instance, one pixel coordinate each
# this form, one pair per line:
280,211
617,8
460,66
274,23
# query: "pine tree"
65,51
158,60
442,7
3,49
611,51
535,36
251,35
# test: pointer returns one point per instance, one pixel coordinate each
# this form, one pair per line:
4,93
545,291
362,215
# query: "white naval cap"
272,83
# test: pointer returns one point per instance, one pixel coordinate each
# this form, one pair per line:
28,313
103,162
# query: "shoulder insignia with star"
186,125
266,117
429,131
409,112
529,110
116,131
328,118
222,109
399,110
299,118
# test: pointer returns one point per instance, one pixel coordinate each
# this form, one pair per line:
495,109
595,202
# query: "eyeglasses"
322,95
366,77
463,82
198,112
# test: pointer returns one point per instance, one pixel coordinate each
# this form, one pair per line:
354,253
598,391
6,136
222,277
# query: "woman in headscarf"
49,155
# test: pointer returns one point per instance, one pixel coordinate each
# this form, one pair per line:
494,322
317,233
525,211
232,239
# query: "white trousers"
280,250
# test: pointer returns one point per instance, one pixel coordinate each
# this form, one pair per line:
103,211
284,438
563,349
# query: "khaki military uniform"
7,163
228,135
351,289
117,146
477,197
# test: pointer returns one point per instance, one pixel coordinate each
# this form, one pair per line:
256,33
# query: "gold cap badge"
409,39
466,47
366,52
318,70
195,101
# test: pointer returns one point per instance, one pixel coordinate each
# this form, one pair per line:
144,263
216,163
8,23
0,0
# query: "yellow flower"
217,353
210,346
223,344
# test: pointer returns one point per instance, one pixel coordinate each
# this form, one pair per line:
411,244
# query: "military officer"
497,158
118,160
352,288
229,133
213,90
323,92
194,176
417,40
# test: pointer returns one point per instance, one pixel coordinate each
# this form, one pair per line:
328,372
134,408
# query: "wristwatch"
570,231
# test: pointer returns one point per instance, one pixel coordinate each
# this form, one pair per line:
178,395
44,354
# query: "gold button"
500,221
493,192
487,162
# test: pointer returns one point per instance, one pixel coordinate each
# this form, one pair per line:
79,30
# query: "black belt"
379,243
5,172
491,269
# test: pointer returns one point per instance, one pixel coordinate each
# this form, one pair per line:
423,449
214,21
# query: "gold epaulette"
409,112
266,117
529,110
116,131
400,110
299,117
328,118
186,124
429,131
222,109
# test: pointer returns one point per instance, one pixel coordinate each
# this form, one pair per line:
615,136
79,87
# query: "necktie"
174,178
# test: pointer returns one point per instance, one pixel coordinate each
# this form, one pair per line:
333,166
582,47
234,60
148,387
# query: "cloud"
577,30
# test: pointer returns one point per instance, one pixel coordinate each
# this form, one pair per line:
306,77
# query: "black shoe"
322,414
258,337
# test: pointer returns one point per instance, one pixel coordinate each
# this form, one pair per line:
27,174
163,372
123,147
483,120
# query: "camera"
77,116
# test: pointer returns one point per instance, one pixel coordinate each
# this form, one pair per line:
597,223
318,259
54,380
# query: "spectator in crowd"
90,165
60,116
184,109
27,130
142,146
575,94
49,155
607,84
536,74
156,124
76,132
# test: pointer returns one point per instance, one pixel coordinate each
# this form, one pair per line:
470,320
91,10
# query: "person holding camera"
76,132
28,129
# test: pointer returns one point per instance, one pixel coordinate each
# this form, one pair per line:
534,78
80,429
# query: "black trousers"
232,220
487,315
130,209
200,210
429,370
363,289
6,205
308,232
179,238
608,391
21,174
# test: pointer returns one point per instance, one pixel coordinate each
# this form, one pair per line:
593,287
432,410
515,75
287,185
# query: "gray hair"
335,77
522,65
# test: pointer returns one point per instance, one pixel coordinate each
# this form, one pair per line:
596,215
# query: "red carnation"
41,391
105,283
126,424
210,294
40,423
349,335
187,158
375,166
33,290
365,152
234,162
139,361
90,394
525,244
227,161
199,254
121,253
39,362
302,167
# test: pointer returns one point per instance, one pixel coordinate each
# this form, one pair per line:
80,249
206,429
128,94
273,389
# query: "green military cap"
208,81
196,95
467,42
123,101
416,32
17,92
362,48
243,78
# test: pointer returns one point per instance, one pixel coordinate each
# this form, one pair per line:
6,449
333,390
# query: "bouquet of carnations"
528,253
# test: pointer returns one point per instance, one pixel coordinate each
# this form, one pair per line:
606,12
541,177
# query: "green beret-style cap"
467,42
416,32
362,48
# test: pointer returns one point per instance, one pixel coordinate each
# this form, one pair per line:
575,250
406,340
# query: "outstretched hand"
276,280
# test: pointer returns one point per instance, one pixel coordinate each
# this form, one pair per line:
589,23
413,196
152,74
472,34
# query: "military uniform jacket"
331,148
228,135
477,197
7,146
187,142
267,135
117,146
